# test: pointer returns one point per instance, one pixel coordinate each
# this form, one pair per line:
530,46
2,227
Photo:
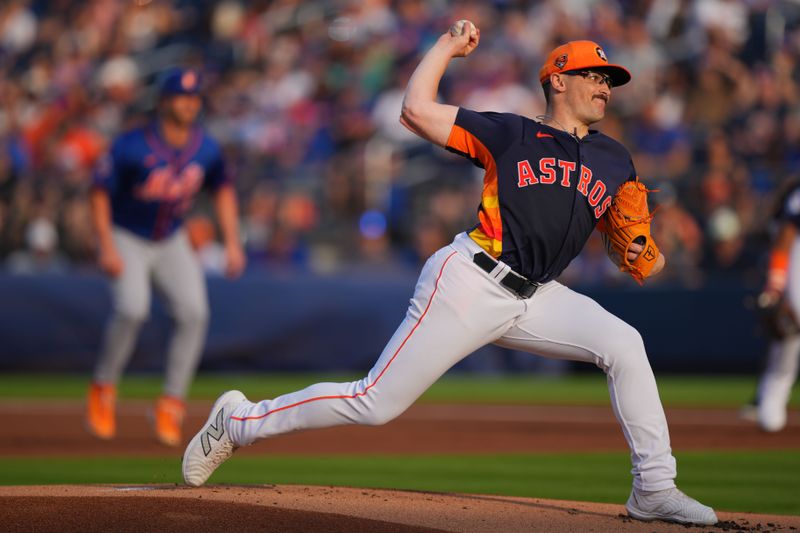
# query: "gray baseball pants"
171,267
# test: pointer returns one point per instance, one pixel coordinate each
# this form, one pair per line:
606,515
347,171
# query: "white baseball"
458,27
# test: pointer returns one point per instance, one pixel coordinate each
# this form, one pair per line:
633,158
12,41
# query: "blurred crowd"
305,96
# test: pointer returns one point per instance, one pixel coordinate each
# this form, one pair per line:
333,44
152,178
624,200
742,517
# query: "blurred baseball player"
780,305
546,186
141,193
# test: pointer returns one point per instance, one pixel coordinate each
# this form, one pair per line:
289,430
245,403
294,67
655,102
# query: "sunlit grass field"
743,481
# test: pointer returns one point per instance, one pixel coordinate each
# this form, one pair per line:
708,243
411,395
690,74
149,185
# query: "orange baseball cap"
580,55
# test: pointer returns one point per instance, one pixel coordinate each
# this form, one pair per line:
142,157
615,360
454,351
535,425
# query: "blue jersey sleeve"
617,151
483,136
633,175
218,173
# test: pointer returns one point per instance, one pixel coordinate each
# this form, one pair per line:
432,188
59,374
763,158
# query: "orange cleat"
168,419
100,418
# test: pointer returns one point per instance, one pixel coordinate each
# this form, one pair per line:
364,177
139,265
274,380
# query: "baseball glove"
627,220
776,316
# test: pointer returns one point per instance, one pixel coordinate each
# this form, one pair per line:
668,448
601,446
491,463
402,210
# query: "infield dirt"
56,428
39,428
322,509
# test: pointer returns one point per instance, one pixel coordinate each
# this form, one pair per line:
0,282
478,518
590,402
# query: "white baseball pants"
783,359
456,309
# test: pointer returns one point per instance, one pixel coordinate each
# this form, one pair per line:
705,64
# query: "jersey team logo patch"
561,61
601,54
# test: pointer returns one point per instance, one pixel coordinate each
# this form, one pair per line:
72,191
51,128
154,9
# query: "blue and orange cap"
582,55
179,81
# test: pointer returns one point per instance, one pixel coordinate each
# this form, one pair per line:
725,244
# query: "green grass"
582,389
765,482
732,481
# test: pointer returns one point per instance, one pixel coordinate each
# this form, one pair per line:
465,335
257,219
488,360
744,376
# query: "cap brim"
619,75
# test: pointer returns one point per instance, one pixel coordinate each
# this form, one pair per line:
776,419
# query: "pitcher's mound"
319,509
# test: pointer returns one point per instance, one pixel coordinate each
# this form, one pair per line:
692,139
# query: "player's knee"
378,417
192,313
132,312
625,347
632,339
374,412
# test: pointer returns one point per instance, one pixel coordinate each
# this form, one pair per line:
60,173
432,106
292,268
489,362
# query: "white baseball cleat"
771,419
212,445
671,505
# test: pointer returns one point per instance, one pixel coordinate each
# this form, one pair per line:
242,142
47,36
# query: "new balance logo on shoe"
199,459
215,431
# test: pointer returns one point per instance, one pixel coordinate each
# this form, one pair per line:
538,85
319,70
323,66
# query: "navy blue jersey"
544,190
152,185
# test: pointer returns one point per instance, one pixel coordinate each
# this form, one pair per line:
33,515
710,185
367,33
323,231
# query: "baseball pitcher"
142,191
547,185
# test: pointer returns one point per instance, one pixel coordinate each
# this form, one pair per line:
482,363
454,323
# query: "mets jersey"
152,184
544,190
